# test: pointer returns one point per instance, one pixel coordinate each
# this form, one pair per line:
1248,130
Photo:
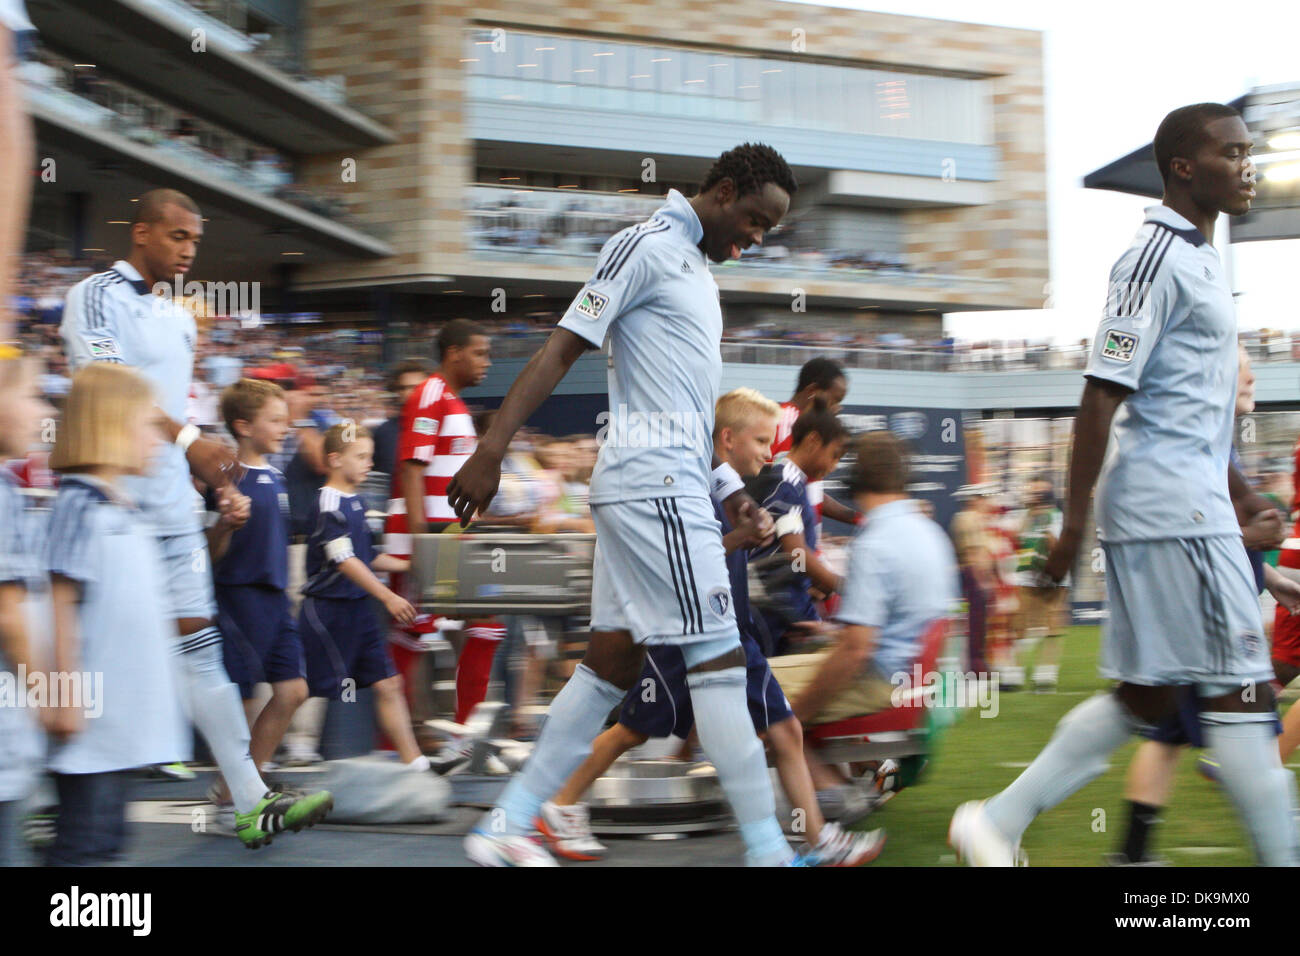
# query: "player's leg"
1147,787
474,666
605,751
273,720
211,700
1238,709
363,654
1287,670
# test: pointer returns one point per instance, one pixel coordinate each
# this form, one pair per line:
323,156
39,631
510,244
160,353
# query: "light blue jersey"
902,576
114,317
652,294
1169,333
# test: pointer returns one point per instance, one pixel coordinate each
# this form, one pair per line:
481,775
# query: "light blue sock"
1077,754
1245,745
575,718
727,735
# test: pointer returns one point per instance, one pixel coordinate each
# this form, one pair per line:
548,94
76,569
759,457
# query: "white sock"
212,702
572,723
420,763
1077,754
727,735
1245,746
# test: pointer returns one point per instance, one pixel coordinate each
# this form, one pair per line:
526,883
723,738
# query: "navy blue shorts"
659,704
259,637
342,640
1184,727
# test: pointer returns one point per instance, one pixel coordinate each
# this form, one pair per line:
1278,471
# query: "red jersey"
436,429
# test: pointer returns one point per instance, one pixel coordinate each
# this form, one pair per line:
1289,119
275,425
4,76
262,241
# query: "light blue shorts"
660,571
187,572
1183,611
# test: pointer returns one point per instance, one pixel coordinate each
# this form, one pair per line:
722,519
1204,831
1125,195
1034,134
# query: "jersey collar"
1175,223
129,273
678,211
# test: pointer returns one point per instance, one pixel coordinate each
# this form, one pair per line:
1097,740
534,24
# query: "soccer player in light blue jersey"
660,574
114,316
1155,424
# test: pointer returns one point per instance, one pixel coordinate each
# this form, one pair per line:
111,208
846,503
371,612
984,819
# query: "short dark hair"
1182,133
750,167
149,208
456,335
821,372
818,421
881,465
405,367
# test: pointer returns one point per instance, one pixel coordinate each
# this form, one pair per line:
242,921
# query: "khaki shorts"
1041,608
868,694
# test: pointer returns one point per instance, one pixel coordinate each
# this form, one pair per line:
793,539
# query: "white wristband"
185,437
725,483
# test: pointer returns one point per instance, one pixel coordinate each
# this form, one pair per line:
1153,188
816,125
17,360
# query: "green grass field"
977,756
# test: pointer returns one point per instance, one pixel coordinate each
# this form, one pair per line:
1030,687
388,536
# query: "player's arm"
410,478
224,524
1262,526
475,485
838,511
311,446
390,564
65,597
16,155
1284,588
1101,400
14,644
794,544
340,554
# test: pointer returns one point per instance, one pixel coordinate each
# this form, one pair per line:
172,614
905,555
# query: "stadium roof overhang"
248,232
150,45
1273,117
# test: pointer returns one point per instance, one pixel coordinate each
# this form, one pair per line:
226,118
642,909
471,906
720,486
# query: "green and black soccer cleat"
278,811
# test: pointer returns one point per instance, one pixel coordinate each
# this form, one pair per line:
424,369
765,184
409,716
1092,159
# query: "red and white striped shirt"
436,429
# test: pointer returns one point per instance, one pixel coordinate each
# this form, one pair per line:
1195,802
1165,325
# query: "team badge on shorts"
1252,643
591,304
1119,346
719,601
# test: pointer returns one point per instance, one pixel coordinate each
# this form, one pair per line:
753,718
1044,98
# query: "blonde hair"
741,408
242,401
343,434
97,417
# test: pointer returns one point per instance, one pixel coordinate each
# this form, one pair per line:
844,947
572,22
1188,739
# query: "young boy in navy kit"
250,564
818,439
341,635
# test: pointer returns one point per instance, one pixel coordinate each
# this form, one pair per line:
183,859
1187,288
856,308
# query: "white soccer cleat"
567,830
978,842
485,849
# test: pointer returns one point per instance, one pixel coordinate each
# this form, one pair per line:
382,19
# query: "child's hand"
234,507
399,608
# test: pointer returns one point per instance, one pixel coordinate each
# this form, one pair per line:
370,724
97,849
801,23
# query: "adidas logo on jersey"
686,267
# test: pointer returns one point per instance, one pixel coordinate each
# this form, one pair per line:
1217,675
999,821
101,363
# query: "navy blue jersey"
338,532
259,551
782,489
739,575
